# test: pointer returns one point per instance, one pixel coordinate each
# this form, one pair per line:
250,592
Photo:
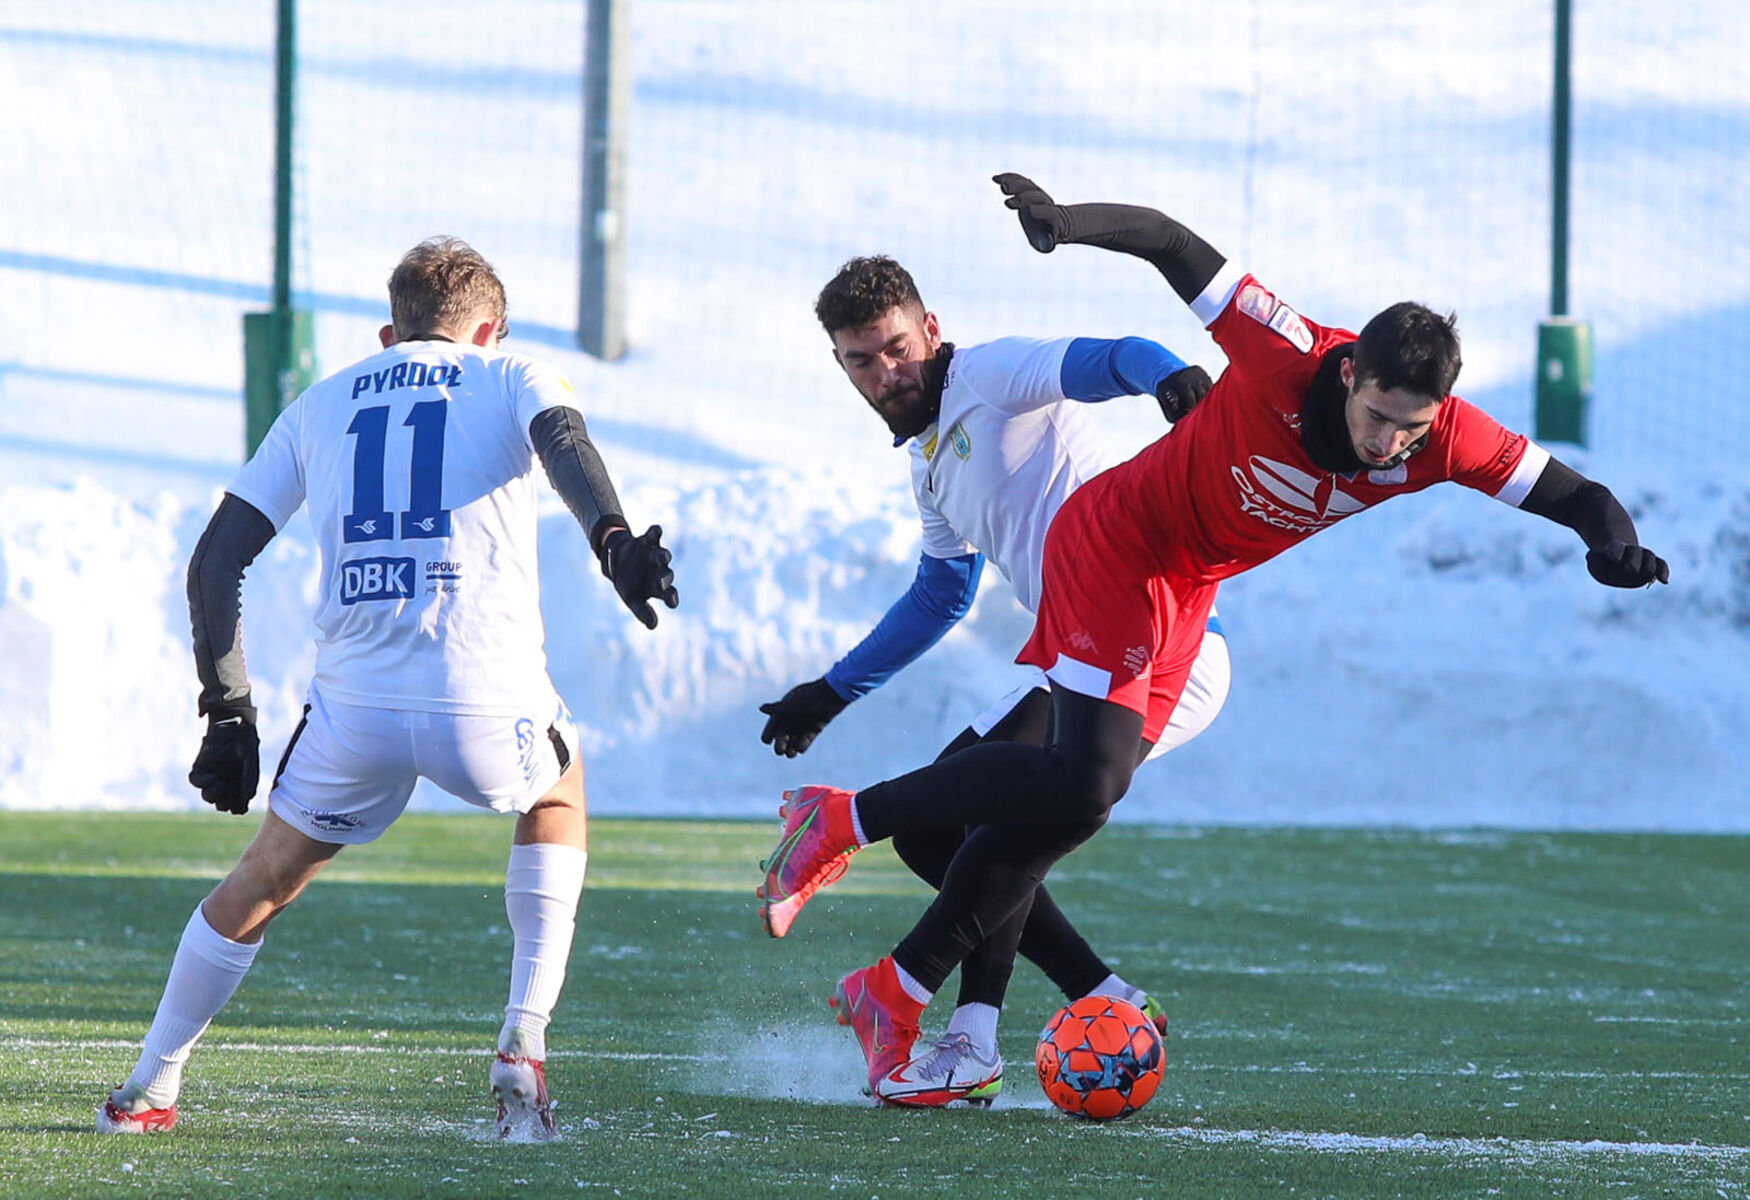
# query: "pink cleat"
819,839
881,1014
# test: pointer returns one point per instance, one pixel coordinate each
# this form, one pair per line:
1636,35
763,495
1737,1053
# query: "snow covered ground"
1441,661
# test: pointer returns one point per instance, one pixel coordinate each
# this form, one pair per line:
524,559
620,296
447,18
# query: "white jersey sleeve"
1014,375
273,479
534,387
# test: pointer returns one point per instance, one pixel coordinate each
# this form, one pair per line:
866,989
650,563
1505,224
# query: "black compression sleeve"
1188,262
1587,507
236,534
576,471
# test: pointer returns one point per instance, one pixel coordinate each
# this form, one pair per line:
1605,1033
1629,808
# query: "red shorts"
1108,629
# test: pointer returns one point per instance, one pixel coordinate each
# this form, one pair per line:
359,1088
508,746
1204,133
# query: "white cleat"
951,1069
525,1110
128,1111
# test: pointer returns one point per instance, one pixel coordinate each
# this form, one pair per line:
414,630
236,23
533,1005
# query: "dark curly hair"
1410,346
862,291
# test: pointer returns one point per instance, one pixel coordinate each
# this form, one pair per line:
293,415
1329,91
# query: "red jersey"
1232,486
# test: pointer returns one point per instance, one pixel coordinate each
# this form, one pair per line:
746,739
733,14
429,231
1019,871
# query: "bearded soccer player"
999,435
1309,424
417,465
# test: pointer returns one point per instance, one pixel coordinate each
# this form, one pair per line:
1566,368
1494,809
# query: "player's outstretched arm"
1614,554
638,567
227,769
1187,261
939,596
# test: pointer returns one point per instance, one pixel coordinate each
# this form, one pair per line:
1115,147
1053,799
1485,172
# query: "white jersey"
1007,449
419,474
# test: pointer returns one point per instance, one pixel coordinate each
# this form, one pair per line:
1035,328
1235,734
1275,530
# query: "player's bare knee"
567,792
558,816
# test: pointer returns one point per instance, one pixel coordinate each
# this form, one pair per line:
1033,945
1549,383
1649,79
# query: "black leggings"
1039,931
1017,809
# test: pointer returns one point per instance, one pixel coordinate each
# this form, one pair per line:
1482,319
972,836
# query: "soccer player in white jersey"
999,436
417,465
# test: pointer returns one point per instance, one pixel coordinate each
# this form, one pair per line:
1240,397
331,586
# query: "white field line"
1429,1073
33,1043
1515,1148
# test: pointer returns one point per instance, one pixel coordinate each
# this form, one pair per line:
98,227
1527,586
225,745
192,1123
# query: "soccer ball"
1100,1058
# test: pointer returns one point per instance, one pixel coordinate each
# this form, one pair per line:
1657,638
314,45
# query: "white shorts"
1205,692
348,770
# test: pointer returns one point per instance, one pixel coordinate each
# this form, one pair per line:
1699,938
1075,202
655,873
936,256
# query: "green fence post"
279,346
1564,380
279,361
1564,344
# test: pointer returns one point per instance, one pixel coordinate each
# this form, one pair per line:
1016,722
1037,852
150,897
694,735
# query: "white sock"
979,1023
203,976
910,986
541,887
1116,988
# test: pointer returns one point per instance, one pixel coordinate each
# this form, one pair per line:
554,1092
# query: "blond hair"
439,286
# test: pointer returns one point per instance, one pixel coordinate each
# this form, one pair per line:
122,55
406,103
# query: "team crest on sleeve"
1267,310
1256,303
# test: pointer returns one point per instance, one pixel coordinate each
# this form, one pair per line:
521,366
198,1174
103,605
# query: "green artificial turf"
1355,1013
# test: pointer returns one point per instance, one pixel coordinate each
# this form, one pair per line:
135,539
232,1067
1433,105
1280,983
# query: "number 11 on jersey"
425,517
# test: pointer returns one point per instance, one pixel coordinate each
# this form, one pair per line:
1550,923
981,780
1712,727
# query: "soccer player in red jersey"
1308,425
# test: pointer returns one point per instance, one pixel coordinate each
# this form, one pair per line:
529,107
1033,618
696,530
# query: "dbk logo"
376,579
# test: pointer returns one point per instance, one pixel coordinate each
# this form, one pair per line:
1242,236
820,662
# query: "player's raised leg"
542,885
218,946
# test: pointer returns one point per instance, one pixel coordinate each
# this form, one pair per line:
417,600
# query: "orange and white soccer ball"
1100,1058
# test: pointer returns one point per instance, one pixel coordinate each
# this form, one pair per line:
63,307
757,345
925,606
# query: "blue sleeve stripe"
1098,369
939,596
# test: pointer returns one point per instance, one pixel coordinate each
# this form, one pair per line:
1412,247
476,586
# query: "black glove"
228,767
1044,221
1183,391
638,568
795,721
1618,564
